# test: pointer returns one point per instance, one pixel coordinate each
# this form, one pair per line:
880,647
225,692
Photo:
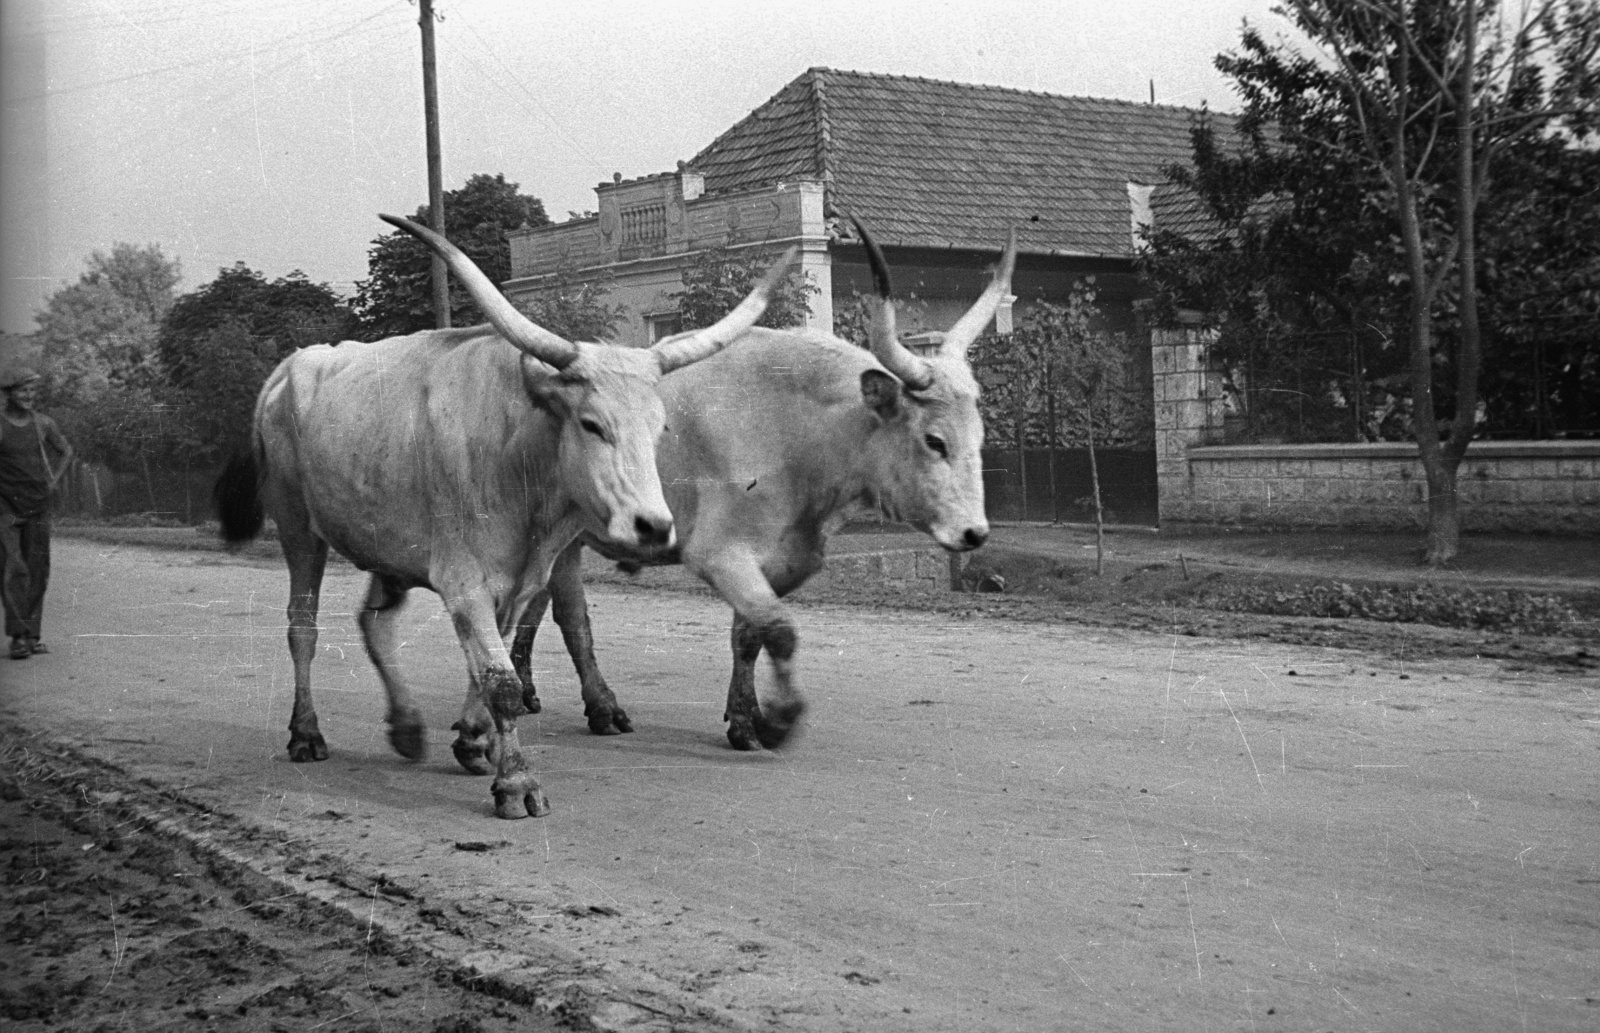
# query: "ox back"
411,456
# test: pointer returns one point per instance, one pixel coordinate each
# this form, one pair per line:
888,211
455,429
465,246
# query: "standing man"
33,457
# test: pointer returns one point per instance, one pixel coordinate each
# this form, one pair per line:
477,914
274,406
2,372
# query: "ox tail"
237,498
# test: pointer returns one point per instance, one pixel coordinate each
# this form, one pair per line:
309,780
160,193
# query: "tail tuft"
237,498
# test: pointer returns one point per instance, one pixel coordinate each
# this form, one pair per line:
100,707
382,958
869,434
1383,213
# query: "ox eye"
593,428
936,443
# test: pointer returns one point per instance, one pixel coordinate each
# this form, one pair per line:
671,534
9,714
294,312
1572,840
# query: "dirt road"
986,825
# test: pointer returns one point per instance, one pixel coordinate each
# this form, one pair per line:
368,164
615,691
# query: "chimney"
691,184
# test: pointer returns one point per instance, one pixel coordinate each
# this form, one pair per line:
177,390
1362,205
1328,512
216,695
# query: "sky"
273,133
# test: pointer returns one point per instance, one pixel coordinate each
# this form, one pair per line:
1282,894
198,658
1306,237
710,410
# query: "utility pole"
430,110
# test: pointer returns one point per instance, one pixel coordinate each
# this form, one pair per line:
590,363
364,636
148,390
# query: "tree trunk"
149,482
1055,502
1099,514
1443,526
1444,516
1022,464
1444,520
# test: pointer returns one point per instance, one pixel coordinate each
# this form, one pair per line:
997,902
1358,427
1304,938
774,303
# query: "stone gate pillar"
1189,408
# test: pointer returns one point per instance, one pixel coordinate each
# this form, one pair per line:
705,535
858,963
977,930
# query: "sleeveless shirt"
24,478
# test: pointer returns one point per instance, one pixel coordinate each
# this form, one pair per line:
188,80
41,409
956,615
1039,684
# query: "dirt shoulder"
1521,598
119,921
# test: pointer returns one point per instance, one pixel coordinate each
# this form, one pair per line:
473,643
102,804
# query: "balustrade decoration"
644,229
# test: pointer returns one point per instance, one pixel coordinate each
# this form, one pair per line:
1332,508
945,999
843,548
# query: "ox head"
603,398
930,470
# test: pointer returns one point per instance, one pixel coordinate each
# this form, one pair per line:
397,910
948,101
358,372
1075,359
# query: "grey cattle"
464,461
771,443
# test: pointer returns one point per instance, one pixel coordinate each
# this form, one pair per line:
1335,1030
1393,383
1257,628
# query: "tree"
397,297
720,277
573,309
1399,125
291,312
100,332
1294,267
1061,379
218,344
852,320
1540,287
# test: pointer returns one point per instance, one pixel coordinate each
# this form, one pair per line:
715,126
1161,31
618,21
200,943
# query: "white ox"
770,444
464,461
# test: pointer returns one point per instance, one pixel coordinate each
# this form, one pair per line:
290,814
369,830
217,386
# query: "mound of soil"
113,925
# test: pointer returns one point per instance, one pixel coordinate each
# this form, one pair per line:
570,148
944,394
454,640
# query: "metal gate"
1031,490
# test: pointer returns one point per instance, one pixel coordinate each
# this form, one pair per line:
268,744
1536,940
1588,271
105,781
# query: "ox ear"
881,392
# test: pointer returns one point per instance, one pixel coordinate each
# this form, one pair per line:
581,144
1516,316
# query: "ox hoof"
409,738
530,700
471,750
741,737
774,729
609,722
472,755
306,748
513,800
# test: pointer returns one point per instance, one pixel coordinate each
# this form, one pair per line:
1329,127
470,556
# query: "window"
661,325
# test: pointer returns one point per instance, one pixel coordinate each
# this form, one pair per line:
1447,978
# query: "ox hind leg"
307,557
748,722
379,620
760,622
565,593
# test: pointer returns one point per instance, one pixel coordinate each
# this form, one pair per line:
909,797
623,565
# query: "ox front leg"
747,723
473,746
306,561
516,791
378,620
572,617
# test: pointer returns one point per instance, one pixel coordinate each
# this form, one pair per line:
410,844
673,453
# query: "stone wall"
930,565
1538,486
1545,486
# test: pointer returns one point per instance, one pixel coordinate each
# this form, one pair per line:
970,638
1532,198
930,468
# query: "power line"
83,24
290,40
549,116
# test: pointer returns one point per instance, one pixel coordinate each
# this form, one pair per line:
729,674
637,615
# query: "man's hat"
16,376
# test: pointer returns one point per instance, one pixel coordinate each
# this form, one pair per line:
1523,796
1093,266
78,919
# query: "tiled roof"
944,164
1177,209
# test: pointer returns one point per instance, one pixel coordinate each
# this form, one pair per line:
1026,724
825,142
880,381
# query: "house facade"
939,172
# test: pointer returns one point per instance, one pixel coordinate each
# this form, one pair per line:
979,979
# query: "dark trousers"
25,555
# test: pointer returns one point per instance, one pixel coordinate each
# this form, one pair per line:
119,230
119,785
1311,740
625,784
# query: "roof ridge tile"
991,88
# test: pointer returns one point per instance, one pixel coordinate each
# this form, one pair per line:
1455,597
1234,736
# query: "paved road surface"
985,825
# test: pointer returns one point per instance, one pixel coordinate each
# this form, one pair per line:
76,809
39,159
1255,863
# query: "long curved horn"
912,370
959,337
692,347
513,325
